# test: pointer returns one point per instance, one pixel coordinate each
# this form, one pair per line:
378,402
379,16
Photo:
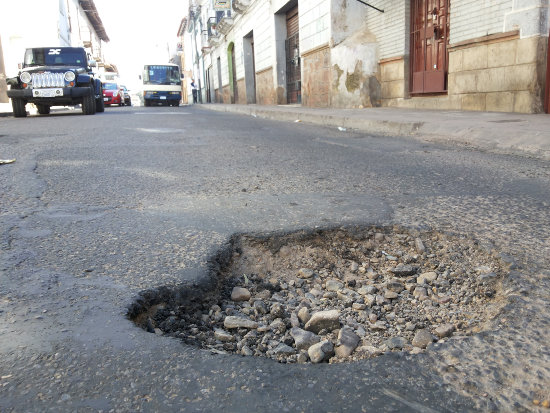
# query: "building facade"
430,54
51,23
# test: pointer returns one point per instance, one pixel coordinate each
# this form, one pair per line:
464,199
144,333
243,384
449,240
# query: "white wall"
477,18
46,24
37,31
315,24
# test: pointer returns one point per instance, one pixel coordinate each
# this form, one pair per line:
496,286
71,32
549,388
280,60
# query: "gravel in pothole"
339,295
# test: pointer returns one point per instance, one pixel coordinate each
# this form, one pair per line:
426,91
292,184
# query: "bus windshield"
161,75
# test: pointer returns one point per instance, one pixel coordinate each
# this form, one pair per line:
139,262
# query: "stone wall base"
265,92
317,78
495,74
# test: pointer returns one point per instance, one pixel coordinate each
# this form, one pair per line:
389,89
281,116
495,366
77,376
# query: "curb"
528,143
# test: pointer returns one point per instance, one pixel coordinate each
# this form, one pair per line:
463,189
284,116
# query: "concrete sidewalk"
5,109
510,133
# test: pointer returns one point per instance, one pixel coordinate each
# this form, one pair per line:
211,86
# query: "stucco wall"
355,79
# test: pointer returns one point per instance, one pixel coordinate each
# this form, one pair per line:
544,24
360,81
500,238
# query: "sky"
140,31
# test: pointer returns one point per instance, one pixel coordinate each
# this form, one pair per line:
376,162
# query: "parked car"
55,76
126,92
112,95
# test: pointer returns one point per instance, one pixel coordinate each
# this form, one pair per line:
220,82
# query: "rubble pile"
335,296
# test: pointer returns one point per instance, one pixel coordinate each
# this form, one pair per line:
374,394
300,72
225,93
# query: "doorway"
547,94
429,46
249,68
208,87
293,62
232,73
220,86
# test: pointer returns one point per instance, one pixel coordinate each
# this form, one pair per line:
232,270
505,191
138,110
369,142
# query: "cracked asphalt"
97,209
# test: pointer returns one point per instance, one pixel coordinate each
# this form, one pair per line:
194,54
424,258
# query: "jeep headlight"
25,77
69,76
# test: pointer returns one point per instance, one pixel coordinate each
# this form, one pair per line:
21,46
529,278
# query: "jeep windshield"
61,56
161,75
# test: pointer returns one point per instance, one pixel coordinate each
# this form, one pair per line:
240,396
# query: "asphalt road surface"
97,209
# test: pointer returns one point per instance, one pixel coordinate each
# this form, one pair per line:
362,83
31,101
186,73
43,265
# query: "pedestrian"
194,90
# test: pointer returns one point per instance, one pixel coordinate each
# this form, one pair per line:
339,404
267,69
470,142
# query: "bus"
161,84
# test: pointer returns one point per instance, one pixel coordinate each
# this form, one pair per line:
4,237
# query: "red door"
429,40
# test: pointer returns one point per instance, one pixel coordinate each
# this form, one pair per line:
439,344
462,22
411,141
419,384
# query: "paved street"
97,209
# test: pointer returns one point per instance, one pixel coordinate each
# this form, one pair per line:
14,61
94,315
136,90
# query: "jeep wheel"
43,109
18,106
100,104
88,103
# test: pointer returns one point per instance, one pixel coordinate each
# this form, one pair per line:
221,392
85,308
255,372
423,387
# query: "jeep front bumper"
68,92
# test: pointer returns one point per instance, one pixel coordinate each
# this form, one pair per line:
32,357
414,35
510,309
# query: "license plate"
105,99
163,98
47,93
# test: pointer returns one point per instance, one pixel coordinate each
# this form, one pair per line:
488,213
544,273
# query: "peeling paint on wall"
355,80
339,72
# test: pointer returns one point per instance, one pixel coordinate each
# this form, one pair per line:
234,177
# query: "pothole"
335,295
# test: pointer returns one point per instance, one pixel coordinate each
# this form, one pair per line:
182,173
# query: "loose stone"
303,315
390,295
403,270
427,277
239,322
347,342
223,336
324,320
277,310
396,343
419,245
422,338
283,349
394,285
294,320
305,273
278,326
334,285
352,282
304,339
246,351
445,330
240,294
321,351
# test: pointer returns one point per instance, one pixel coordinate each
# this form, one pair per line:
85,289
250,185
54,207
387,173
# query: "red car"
112,94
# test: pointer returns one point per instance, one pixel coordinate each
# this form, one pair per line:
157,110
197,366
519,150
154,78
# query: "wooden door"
429,41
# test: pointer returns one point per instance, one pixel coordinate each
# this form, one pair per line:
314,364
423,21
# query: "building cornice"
88,6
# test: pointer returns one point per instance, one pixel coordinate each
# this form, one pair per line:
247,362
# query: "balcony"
225,24
240,6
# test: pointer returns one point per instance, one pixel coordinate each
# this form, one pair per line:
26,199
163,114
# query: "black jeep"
56,76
